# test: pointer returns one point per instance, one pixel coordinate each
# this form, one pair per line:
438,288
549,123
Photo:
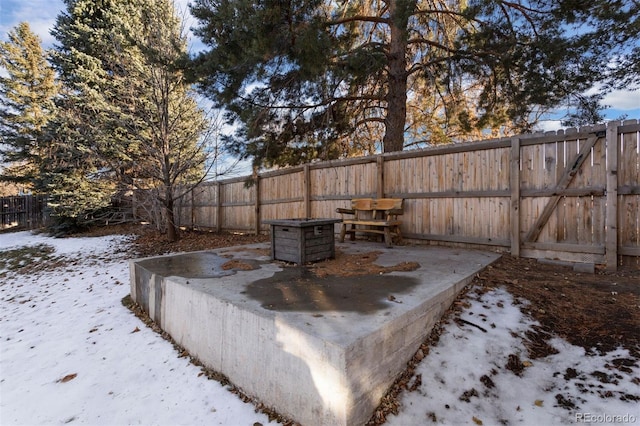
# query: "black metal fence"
24,212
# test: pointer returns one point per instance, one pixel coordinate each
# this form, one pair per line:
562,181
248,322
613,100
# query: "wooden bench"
372,215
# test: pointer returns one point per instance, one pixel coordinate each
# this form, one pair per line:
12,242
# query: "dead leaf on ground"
67,378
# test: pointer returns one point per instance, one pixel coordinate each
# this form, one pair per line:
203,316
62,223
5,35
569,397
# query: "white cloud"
40,14
623,100
549,125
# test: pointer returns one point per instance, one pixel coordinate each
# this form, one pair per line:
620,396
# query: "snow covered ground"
70,352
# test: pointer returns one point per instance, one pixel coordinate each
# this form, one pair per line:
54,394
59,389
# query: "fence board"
629,202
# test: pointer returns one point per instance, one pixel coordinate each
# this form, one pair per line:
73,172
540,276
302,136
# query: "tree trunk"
397,82
172,229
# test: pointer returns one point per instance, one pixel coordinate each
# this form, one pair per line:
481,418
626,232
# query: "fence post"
306,190
257,206
380,170
193,208
218,207
514,183
28,205
3,213
611,220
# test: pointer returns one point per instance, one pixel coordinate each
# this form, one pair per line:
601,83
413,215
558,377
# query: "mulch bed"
598,311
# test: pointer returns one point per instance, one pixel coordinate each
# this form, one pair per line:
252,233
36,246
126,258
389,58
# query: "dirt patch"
255,251
31,259
239,265
598,312
151,243
349,265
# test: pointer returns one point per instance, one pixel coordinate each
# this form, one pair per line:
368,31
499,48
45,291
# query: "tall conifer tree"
27,96
309,79
128,112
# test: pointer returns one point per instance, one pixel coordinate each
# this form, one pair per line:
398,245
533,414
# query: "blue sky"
41,15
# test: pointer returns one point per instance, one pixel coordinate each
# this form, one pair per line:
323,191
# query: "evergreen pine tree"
128,116
27,97
172,133
320,79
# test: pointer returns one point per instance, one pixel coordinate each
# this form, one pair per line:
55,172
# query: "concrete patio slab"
322,351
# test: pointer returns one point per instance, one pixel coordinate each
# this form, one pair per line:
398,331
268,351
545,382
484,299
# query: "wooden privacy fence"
24,211
571,195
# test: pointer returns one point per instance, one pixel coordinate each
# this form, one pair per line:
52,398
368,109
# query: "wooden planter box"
302,240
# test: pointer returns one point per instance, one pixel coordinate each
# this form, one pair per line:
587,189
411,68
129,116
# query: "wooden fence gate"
571,189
